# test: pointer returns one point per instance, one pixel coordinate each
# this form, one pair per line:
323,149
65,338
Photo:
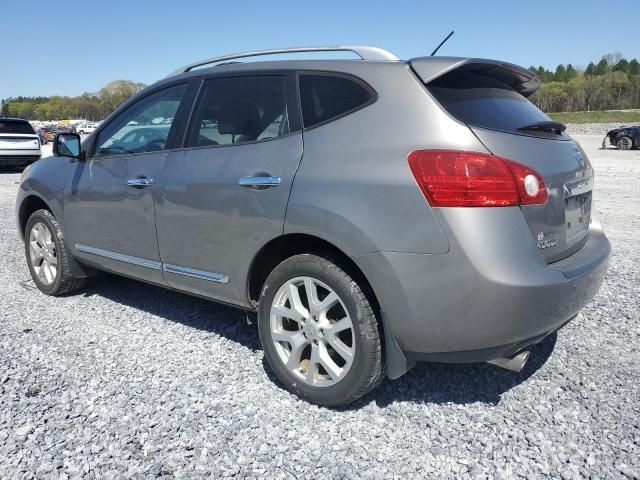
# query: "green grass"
605,116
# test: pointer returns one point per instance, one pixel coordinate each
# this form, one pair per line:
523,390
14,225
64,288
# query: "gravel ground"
601,129
126,380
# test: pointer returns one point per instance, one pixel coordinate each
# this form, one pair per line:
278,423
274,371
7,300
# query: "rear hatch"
490,97
17,134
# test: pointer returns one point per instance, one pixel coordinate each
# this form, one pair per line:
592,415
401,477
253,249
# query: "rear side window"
16,126
240,110
325,97
483,101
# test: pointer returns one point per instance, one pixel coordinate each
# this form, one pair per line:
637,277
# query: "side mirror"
67,145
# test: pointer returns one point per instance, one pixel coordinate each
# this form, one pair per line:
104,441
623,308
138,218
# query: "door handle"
259,182
141,182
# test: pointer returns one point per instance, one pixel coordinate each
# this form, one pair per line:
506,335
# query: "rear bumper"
490,296
18,157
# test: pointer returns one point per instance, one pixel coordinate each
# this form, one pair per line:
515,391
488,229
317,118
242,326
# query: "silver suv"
373,212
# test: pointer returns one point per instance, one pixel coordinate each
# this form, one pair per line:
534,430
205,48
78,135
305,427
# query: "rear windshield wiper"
546,126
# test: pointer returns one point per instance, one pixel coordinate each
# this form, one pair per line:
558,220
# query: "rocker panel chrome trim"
121,257
192,272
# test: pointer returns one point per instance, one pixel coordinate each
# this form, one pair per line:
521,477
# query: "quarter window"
239,110
324,97
143,127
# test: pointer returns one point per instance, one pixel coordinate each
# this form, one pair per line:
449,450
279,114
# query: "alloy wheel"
312,331
624,143
42,253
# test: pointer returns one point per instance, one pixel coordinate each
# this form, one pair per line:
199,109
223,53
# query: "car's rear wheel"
319,330
47,255
624,143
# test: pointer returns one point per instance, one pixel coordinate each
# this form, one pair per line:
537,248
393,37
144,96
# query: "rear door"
224,196
489,98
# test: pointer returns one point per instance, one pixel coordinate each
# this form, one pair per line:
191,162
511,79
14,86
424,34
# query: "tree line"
89,106
611,84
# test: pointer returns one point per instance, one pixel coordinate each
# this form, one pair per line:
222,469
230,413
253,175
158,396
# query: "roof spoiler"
520,79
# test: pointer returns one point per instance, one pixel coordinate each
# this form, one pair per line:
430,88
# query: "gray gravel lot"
592,128
126,380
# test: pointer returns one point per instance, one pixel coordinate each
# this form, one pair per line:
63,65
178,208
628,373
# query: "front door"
224,197
109,202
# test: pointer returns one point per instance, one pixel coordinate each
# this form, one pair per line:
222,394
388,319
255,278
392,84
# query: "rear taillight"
452,178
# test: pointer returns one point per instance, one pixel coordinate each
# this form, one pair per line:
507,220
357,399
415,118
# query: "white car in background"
19,143
86,129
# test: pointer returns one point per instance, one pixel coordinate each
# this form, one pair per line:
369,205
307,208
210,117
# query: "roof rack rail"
364,52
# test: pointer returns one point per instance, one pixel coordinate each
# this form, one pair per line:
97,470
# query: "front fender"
46,180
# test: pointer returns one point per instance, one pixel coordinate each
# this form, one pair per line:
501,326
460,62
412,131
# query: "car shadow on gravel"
445,383
176,307
439,383
431,383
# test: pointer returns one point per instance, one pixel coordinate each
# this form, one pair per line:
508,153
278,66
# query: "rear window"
15,126
326,97
483,101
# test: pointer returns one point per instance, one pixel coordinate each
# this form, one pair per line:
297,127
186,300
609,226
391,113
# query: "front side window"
143,127
324,97
240,110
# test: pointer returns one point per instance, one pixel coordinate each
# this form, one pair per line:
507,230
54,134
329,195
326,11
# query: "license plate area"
577,214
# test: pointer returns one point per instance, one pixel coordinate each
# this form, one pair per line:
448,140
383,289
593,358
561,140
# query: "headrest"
239,118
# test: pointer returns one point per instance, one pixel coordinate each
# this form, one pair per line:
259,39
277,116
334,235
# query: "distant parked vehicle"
86,129
43,137
49,133
66,129
19,143
624,138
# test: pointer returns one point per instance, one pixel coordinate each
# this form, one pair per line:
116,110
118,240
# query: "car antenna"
442,43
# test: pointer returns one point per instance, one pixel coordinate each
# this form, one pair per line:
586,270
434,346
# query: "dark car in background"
66,129
44,139
624,138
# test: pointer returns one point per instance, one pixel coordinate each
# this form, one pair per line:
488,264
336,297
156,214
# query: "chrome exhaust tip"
515,364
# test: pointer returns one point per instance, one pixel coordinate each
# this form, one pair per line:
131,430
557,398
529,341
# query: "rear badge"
548,243
579,157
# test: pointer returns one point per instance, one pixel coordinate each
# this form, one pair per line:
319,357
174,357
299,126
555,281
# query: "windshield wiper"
546,126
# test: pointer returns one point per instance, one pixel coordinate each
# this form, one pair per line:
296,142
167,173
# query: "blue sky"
74,46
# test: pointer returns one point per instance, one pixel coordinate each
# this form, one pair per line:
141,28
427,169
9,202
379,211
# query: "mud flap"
396,361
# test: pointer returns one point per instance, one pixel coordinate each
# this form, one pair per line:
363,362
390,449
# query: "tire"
624,143
351,324
49,249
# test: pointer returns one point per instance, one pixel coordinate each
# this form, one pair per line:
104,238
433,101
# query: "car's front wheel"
624,143
319,330
47,255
